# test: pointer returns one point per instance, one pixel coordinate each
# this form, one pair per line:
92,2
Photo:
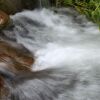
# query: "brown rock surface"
4,19
13,6
16,53
14,58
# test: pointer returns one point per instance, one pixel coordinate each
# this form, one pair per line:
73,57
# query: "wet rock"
17,52
4,19
13,6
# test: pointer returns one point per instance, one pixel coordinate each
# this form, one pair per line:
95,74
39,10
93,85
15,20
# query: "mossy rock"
13,6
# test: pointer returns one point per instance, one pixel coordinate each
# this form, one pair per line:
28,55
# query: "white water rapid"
63,39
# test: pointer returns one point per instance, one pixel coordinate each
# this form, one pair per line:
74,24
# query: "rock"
4,19
13,6
17,53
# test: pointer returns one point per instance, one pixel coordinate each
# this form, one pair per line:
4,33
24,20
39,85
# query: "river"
62,38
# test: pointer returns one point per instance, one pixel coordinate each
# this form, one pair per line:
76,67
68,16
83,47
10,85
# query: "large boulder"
8,7
13,6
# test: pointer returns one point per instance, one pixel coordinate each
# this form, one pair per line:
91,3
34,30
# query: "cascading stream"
62,39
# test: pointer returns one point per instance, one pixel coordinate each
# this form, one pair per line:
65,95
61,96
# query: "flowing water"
44,3
62,39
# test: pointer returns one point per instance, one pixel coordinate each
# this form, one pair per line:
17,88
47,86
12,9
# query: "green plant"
91,8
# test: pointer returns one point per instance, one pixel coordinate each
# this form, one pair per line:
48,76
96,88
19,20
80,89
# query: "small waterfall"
61,39
44,3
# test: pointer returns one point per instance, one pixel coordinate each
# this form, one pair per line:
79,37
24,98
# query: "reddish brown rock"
14,58
4,19
16,53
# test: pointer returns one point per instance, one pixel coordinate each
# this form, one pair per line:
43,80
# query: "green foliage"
68,1
91,8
